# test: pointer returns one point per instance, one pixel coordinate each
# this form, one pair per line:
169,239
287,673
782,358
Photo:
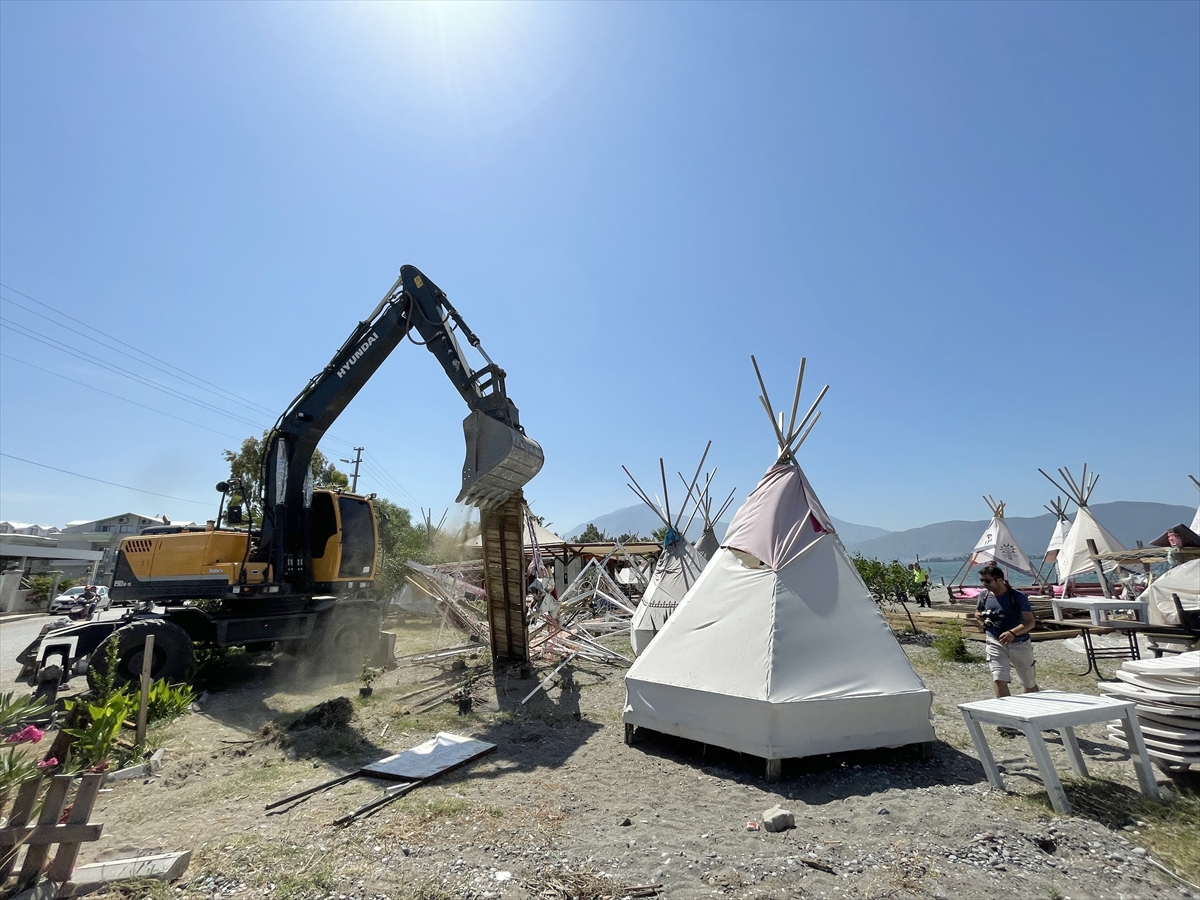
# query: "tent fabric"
783,659
1183,580
677,569
1195,526
1061,528
999,546
708,544
1075,558
780,519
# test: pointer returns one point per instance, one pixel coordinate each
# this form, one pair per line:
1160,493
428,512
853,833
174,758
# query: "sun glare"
463,67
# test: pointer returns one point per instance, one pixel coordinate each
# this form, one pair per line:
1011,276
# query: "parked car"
71,598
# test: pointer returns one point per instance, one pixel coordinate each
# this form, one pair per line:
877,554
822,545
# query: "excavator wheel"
172,653
347,638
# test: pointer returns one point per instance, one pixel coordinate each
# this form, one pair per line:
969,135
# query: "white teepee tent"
1195,526
1058,538
676,570
997,545
1075,557
779,650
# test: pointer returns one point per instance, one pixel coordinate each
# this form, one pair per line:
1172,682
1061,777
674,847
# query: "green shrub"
167,702
40,587
96,726
950,645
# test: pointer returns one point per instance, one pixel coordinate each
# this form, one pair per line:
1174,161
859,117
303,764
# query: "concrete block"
776,819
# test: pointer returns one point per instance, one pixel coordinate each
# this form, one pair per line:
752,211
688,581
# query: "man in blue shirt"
1007,621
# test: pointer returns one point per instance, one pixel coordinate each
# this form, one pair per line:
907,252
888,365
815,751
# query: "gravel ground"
565,808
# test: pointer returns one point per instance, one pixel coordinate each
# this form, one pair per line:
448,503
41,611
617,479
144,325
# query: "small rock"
884,811
776,819
1139,851
752,826
625,822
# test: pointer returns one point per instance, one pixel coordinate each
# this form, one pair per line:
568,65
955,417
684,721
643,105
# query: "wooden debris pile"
459,602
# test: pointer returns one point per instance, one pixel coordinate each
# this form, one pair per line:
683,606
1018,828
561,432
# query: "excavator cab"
500,461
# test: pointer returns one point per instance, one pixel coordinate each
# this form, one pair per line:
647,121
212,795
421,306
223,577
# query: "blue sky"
979,222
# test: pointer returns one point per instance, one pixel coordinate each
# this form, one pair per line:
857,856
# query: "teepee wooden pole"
811,409
695,477
643,496
796,398
1055,483
800,443
724,506
662,470
774,426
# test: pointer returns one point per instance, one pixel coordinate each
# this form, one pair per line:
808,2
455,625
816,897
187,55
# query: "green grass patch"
1169,829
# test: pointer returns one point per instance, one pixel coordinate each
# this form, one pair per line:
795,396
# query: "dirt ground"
563,801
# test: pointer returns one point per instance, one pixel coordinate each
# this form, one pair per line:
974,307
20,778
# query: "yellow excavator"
302,576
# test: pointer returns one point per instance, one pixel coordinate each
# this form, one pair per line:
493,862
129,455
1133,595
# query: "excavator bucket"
500,461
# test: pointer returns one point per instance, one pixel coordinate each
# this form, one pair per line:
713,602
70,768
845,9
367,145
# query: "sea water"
940,570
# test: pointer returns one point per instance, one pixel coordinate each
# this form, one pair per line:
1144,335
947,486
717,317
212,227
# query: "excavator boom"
500,458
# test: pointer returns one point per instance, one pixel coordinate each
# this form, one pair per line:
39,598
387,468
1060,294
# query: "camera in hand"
990,616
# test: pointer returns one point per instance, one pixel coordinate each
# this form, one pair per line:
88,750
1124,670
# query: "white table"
1098,605
1039,711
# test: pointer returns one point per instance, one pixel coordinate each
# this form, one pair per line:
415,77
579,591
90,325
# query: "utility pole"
357,460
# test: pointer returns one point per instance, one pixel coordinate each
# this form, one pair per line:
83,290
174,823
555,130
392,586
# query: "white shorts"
1018,654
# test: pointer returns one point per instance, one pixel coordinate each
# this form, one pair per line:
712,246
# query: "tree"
887,583
592,535
245,467
628,536
659,534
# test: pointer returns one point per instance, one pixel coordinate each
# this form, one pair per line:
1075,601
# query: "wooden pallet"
504,579
972,630
52,827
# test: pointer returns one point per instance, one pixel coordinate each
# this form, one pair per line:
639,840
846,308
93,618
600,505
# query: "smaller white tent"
997,545
1184,582
676,569
1075,557
1058,538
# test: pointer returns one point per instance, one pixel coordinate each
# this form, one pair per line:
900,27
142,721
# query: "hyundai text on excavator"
303,577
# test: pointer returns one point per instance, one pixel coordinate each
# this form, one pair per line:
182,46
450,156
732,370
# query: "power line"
102,481
119,397
188,377
74,353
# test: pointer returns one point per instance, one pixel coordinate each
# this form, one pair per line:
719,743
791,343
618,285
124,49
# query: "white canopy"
545,537
999,546
1183,580
1074,558
778,650
677,569
1195,526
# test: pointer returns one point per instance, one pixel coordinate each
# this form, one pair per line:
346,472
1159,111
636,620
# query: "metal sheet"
437,755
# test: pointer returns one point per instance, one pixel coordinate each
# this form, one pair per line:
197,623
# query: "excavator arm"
500,458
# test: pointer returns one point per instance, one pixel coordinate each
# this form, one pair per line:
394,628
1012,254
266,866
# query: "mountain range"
1129,522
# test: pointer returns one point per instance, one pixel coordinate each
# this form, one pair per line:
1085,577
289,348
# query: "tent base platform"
774,767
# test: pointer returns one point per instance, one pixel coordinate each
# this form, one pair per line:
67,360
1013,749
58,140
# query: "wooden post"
143,705
1095,552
